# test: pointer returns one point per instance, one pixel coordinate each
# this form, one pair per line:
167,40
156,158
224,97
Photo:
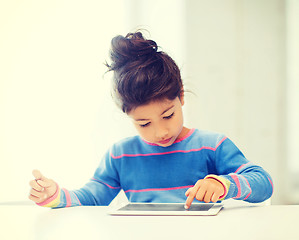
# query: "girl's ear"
182,94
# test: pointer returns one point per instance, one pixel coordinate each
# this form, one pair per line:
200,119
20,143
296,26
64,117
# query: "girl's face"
160,122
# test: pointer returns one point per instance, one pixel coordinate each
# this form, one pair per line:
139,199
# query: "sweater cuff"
52,201
225,183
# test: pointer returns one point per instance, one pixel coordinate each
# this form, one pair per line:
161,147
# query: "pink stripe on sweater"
248,186
170,152
68,197
236,179
271,184
243,165
77,199
159,189
186,136
221,141
105,184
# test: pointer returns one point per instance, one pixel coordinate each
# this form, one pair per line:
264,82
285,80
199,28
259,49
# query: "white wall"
56,111
164,21
239,76
292,60
52,94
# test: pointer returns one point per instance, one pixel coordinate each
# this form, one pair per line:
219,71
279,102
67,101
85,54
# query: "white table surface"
233,222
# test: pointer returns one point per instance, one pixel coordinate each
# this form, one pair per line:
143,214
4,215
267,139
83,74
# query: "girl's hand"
42,188
207,190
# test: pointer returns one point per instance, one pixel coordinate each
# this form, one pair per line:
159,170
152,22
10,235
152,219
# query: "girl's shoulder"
207,138
128,141
128,145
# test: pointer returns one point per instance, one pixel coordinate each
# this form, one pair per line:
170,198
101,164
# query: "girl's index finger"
191,194
189,200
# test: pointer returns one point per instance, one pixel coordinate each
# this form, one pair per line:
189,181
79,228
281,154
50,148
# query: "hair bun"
130,48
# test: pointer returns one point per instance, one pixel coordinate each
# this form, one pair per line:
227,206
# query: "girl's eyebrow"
144,119
167,109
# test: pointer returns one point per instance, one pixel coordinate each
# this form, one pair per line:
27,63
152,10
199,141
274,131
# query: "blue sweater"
150,173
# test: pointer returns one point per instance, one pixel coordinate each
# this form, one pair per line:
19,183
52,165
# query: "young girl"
167,162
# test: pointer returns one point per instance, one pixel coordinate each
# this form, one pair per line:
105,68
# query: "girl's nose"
161,133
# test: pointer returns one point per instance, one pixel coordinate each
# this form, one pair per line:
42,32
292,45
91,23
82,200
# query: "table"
233,222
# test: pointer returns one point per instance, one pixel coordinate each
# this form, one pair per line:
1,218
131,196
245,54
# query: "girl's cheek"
142,132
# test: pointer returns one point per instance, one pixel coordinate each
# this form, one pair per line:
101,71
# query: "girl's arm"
247,181
100,190
234,177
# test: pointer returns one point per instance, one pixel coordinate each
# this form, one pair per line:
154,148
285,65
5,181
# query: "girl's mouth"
165,141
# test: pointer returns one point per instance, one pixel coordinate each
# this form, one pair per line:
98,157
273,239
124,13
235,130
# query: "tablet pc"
167,209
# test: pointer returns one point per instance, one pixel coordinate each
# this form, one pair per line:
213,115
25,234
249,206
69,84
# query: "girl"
167,162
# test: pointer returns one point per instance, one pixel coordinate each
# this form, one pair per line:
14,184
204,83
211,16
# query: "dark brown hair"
141,73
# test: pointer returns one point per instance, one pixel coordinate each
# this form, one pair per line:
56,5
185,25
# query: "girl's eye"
170,116
144,125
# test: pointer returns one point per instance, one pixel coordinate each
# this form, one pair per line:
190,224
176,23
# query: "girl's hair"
141,73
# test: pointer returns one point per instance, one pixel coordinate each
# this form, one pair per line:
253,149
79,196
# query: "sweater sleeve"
104,185
248,182
100,190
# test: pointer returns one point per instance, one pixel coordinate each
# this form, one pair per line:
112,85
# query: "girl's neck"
183,133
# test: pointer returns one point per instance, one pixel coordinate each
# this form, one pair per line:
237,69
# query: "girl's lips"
165,141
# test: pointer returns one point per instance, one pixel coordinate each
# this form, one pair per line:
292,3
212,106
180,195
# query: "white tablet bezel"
211,212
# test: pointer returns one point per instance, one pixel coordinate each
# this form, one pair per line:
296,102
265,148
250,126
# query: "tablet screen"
196,209
165,207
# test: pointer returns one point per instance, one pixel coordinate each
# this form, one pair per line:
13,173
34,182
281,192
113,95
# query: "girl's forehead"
154,107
